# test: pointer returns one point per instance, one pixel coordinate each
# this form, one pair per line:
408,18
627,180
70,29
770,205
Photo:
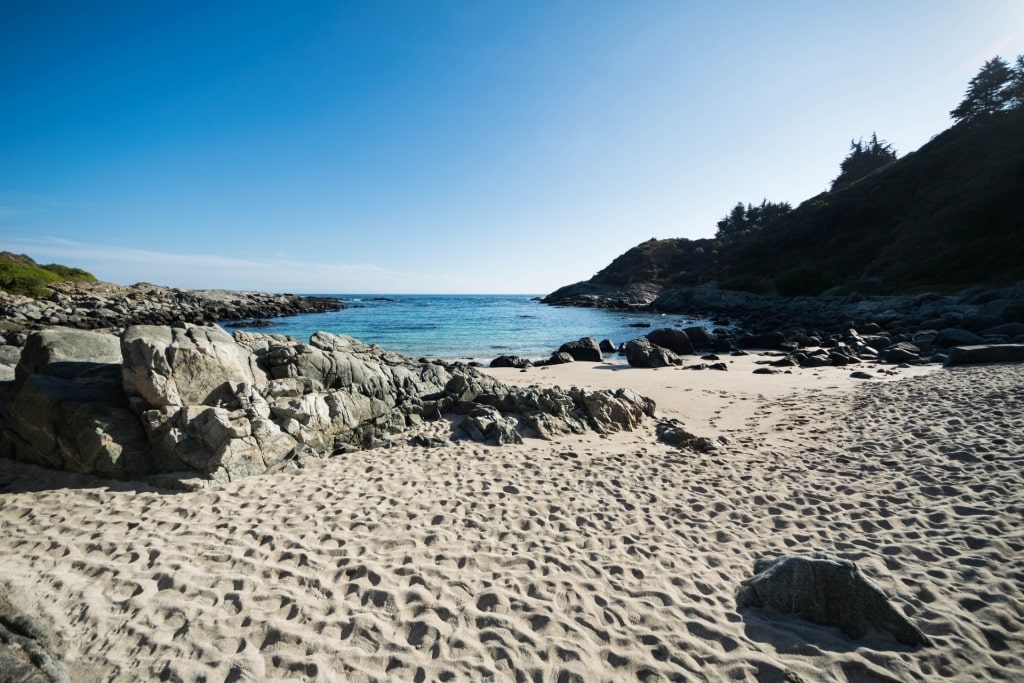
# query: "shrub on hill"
19,274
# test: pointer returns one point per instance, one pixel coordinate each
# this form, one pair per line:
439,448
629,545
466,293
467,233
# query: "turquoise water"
469,327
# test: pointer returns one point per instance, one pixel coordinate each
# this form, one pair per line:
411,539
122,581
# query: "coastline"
597,555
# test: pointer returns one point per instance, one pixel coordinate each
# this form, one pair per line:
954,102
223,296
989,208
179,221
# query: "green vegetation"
946,217
746,220
864,158
19,274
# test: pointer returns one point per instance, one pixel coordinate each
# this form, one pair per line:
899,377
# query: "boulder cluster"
101,305
192,403
799,347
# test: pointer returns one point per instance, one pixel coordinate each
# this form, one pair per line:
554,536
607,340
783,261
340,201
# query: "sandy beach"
589,558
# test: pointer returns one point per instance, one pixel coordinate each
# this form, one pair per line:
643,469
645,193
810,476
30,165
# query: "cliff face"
945,218
634,279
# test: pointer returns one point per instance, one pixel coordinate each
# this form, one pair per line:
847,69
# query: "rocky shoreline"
102,305
930,323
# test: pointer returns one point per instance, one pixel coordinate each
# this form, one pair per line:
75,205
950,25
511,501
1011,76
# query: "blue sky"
477,146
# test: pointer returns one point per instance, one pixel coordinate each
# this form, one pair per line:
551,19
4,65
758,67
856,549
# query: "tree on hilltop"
750,218
987,92
1014,90
864,157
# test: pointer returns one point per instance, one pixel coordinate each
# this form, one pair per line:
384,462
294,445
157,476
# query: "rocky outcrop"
191,402
67,408
628,297
101,305
829,591
986,353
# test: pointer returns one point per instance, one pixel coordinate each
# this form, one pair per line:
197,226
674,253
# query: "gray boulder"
641,353
954,336
699,338
900,352
510,362
673,339
986,353
583,349
78,424
68,353
186,365
829,591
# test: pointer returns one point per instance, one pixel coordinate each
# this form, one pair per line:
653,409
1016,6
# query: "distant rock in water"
194,404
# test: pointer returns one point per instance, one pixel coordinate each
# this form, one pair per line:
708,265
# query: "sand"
590,558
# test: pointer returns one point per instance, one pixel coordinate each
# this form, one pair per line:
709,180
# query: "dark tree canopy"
864,157
1015,88
996,87
750,218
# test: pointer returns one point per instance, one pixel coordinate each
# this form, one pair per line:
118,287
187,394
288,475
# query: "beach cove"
586,556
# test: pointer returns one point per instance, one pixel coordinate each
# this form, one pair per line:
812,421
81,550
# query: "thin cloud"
127,265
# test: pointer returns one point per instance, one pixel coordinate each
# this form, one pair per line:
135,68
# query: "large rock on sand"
673,339
641,353
829,591
190,399
68,410
583,349
986,353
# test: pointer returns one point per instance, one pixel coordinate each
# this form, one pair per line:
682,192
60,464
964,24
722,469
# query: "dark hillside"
946,217
659,261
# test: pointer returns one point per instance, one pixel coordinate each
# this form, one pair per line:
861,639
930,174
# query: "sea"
470,327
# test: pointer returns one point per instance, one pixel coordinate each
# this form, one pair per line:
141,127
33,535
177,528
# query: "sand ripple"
581,560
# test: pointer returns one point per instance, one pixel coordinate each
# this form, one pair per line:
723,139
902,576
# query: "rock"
641,353
829,591
766,371
69,353
986,353
188,365
490,426
510,362
860,375
673,433
699,338
607,346
675,340
610,411
559,358
901,352
583,349
765,340
28,652
953,336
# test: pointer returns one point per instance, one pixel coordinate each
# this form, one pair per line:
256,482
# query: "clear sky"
442,146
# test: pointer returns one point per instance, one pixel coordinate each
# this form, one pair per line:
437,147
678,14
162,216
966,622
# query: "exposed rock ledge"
96,305
630,297
192,403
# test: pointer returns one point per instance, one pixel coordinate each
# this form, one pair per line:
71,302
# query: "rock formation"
100,305
193,403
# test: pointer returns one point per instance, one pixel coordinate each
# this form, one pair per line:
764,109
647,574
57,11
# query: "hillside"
19,274
946,217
